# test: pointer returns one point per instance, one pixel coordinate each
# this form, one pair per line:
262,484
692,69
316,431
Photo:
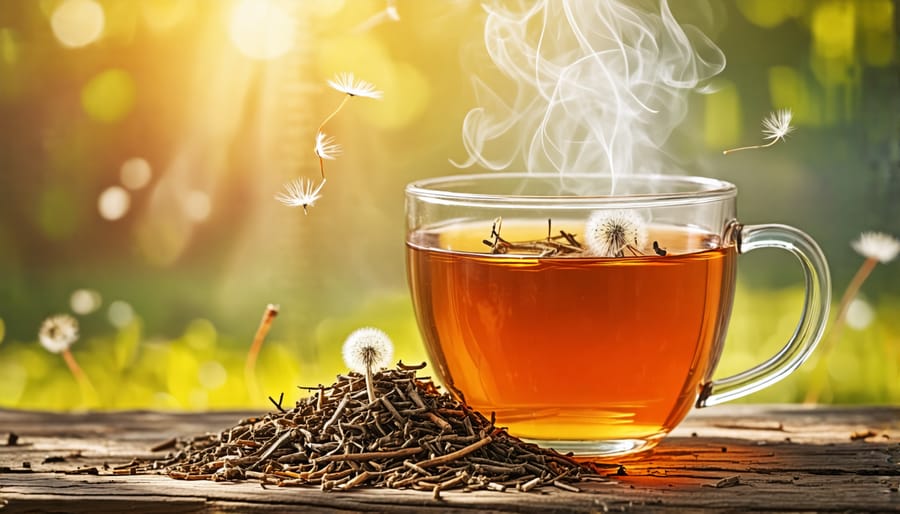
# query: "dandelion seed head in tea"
610,233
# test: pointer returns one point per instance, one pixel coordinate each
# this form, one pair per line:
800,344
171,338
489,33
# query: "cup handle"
812,320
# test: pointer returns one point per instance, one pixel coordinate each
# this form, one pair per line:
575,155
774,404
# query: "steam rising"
597,85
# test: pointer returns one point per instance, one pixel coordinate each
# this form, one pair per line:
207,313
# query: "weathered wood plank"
785,458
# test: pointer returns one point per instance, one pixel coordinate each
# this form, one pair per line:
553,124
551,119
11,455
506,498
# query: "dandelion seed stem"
334,112
753,147
322,125
820,372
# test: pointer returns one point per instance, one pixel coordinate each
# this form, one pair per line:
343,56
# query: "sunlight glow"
262,29
114,203
77,23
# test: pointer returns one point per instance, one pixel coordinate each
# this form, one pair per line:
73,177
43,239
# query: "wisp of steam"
593,86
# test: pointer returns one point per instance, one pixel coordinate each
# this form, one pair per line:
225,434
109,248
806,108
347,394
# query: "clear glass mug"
589,313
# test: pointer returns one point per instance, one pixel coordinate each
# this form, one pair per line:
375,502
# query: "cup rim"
707,190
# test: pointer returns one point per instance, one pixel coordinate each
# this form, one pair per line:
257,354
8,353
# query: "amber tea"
588,311
573,348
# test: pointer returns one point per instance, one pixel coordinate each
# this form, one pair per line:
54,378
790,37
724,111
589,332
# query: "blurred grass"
202,369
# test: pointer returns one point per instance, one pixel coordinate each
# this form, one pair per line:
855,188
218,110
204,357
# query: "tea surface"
573,348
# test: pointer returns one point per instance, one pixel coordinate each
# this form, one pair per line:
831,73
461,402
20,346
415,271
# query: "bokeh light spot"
135,173
834,30
860,314
85,301
262,29
212,375
109,96
2,329
13,384
200,335
77,23
120,313
161,15
197,206
9,47
722,116
113,203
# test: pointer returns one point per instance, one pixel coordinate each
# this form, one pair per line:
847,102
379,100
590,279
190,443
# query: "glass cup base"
608,448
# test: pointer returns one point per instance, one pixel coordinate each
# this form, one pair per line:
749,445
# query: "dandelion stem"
369,388
753,147
820,373
73,366
250,364
83,382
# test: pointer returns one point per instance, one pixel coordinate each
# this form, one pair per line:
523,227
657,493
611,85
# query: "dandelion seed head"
300,192
877,245
58,333
346,83
609,233
326,148
368,348
778,125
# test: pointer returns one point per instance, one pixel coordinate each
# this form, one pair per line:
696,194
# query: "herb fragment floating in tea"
411,436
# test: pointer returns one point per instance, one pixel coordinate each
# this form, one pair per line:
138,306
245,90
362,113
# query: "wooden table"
735,458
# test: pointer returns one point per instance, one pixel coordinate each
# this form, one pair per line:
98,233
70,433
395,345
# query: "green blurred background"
142,141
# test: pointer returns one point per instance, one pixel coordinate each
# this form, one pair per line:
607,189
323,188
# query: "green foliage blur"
140,149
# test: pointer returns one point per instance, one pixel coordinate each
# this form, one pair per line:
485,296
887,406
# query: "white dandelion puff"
58,333
778,125
610,233
300,192
326,148
367,350
775,127
878,246
346,83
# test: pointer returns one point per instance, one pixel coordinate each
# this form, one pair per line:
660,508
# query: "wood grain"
736,458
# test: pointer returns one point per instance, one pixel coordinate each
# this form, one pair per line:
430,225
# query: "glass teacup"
589,313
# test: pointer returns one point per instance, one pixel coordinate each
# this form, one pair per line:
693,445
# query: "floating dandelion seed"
878,246
875,247
367,350
775,127
610,233
348,84
58,333
778,125
326,148
300,193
